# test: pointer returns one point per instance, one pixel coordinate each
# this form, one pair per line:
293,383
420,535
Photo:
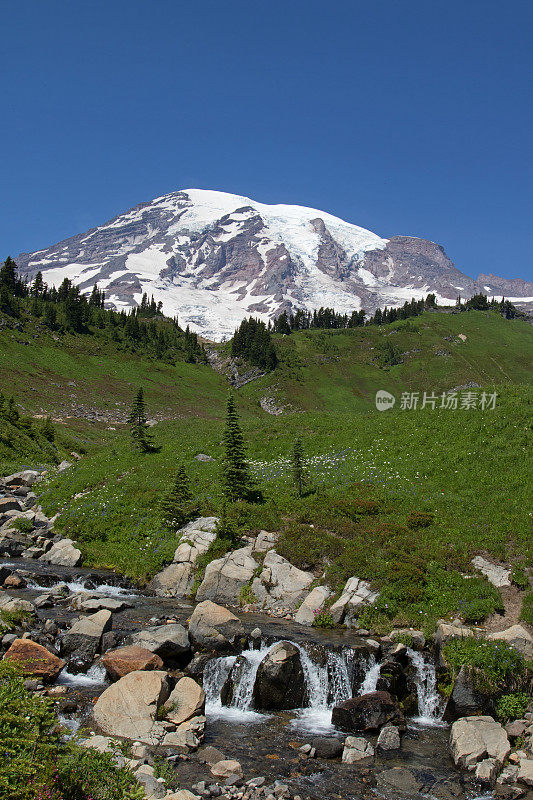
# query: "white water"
429,700
76,587
372,676
95,676
215,675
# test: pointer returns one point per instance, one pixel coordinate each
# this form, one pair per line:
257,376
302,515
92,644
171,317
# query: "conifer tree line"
66,309
253,342
27,425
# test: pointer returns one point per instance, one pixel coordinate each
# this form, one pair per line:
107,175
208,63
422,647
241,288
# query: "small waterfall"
326,686
370,681
215,676
429,701
340,671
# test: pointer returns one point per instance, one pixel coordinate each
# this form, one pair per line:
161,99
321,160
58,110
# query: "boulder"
8,603
186,700
225,577
170,642
9,504
35,660
497,575
83,640
177,579
446,631
401,780
13,543
129,707
210,755
227,769
466,699
314,601
280,682
472,739
63,553
280,583
124,660
389,738
213,627
356,749
265,541
91,627
25,478
327,746
355,595
368,712
188,736
487,771
99,603
525,771
518,637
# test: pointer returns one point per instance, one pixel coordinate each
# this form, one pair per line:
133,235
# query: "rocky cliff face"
213,258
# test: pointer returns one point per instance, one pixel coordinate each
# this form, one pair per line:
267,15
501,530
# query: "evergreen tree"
8,275
298,468
138,425
226,529
48,430
237,480
177,506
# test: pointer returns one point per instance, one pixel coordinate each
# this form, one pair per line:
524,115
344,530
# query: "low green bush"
38,763
520,577
23,524
511,706
496,664
527,608
247,595
323,619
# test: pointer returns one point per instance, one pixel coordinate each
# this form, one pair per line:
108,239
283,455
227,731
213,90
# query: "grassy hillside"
375,479
339,370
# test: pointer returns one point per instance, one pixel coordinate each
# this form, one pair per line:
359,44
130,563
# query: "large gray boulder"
213,627
169,642
355,595
280,583
129,707
280,682
473,739
368,712
518,637
63,553
177,579
83,640
25,478
225,577
466,698
315,601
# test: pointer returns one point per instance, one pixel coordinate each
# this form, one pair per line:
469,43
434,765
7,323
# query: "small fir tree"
138,424
298,468
48,430
177,506
238,483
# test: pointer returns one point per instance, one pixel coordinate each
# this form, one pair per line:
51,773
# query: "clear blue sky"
403,116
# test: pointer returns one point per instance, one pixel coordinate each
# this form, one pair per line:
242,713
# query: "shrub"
520,577
420,519
247,595
527,608
323,619
37,764
496,664
23,524
511,706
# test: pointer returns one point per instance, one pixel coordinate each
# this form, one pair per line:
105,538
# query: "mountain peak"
213,258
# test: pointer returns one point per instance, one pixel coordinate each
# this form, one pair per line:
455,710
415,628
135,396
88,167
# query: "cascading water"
95,676
371,678
215,675
429,701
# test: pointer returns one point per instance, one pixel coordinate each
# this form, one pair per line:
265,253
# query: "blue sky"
404,116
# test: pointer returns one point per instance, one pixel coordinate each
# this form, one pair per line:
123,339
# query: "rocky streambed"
244,705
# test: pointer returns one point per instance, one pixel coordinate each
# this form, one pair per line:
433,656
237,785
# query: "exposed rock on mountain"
213,258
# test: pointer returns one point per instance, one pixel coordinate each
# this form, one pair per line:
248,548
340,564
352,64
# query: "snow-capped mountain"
213,258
